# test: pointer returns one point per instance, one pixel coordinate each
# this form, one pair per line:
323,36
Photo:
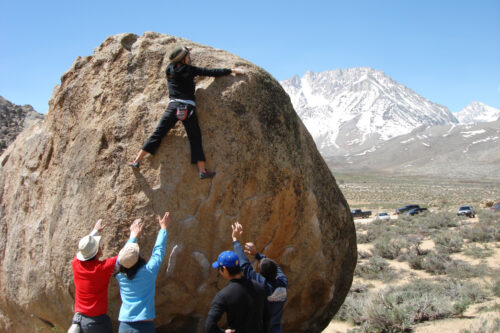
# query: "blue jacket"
276,289
138,294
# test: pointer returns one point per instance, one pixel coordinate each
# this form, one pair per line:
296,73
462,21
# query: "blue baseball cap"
228,259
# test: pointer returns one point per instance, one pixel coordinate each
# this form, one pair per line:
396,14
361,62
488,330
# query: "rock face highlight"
61,175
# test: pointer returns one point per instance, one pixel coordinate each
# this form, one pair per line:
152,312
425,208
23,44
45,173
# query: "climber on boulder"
182,106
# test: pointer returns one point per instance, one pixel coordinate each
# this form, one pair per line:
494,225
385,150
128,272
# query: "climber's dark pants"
168,121
97,324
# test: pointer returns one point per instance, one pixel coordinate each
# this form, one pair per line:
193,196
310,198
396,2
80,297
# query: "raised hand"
237,230
99,226
136,228
164,221
250,249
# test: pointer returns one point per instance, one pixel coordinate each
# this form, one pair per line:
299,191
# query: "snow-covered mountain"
357,108
477,112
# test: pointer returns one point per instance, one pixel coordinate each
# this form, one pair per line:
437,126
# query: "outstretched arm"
280,276
109,263
216,72
160,246
250,249
245,264
237,231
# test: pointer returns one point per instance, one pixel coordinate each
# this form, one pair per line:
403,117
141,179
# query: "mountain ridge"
359,107
361,119
477,112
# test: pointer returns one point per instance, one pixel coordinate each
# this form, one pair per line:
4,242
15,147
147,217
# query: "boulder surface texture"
64,173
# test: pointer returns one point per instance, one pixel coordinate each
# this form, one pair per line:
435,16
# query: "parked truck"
361,213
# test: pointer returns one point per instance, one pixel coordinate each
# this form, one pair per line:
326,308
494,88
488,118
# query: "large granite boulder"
61,175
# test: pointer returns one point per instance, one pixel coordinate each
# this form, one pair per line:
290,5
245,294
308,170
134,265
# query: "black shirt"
244,302
180,79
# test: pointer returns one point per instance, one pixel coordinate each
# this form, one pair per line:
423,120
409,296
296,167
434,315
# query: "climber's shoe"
206,174
134,165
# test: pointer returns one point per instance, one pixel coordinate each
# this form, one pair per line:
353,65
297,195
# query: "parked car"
416,211
466,211
382,216
361,213
406,208
496,207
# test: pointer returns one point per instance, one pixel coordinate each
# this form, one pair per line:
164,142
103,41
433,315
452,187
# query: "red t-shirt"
91,280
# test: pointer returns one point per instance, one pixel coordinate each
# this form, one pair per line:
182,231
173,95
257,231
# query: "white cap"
88,247
129,255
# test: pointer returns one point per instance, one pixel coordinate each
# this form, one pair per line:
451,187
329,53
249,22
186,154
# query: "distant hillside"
468,151
13,119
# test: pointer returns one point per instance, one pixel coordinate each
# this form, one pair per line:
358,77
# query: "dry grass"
388,192
433,269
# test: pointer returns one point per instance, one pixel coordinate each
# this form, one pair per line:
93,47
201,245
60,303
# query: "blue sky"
447,51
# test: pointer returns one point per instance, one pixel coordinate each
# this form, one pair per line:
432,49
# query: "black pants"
167,121
98,324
